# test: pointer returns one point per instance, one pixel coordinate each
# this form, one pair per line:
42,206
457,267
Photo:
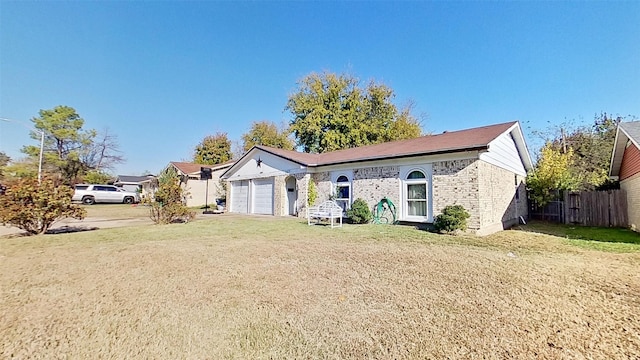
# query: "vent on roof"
444,132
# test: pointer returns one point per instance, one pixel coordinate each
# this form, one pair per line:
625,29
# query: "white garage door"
263,196
240,196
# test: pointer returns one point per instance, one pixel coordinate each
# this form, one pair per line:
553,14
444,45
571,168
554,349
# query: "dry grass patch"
117,211
240,287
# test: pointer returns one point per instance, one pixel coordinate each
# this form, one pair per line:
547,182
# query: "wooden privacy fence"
596,208
589,208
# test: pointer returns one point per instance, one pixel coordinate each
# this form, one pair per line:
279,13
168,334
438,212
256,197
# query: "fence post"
565,204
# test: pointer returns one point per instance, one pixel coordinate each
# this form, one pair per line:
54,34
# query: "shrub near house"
359,212
453,218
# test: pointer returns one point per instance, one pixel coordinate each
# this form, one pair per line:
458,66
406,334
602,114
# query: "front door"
292,195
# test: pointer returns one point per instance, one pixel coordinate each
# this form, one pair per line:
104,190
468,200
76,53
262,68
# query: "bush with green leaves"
97,177
359,212
452,218
34,207
168,206
312,193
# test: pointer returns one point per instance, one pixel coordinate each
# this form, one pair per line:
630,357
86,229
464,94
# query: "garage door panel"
240,196
263,196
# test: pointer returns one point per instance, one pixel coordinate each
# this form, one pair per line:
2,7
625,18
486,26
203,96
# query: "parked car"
90,194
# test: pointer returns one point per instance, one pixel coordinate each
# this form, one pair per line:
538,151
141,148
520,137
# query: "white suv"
91,194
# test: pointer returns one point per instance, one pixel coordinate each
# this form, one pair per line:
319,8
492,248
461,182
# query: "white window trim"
426,169
334,183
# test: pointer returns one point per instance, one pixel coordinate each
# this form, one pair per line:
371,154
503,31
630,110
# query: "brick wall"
497,197
632,187
370,184
324,187
280,202
374,183
455,182
302,183
485,190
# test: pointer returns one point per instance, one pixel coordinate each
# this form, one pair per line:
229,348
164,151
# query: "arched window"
416,175
343,192
416,193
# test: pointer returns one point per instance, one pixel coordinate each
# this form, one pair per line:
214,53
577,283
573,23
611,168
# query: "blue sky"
162,75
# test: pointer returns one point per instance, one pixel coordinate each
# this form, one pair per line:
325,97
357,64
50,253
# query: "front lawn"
602,234
117,211
262,287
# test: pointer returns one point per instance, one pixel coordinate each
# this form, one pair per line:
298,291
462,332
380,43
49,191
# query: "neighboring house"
482,169
196,188
625,165
145,185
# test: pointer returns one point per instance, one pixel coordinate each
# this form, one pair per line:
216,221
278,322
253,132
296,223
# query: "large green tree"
21,168
71,151
333,112
266,133
552,172
213,149
591,146
64,141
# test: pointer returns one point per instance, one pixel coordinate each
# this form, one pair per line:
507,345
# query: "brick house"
190,180
482,169
625,165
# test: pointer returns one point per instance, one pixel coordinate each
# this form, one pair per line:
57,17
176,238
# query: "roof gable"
191,168
629,131
632,130
133,179
263,162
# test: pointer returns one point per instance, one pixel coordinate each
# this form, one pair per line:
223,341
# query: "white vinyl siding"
240,196
262,196
503,153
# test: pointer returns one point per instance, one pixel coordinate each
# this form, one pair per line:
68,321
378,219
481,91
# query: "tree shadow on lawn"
71,229
577,232
59,230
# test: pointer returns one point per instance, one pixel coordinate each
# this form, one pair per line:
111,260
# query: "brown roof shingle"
452,141
190,168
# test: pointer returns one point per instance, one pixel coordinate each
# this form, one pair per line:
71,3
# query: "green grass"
117,211
575,232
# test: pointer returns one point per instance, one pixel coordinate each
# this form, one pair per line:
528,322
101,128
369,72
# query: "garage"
262,191
240,196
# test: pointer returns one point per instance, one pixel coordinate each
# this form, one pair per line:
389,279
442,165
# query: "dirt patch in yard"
240,287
